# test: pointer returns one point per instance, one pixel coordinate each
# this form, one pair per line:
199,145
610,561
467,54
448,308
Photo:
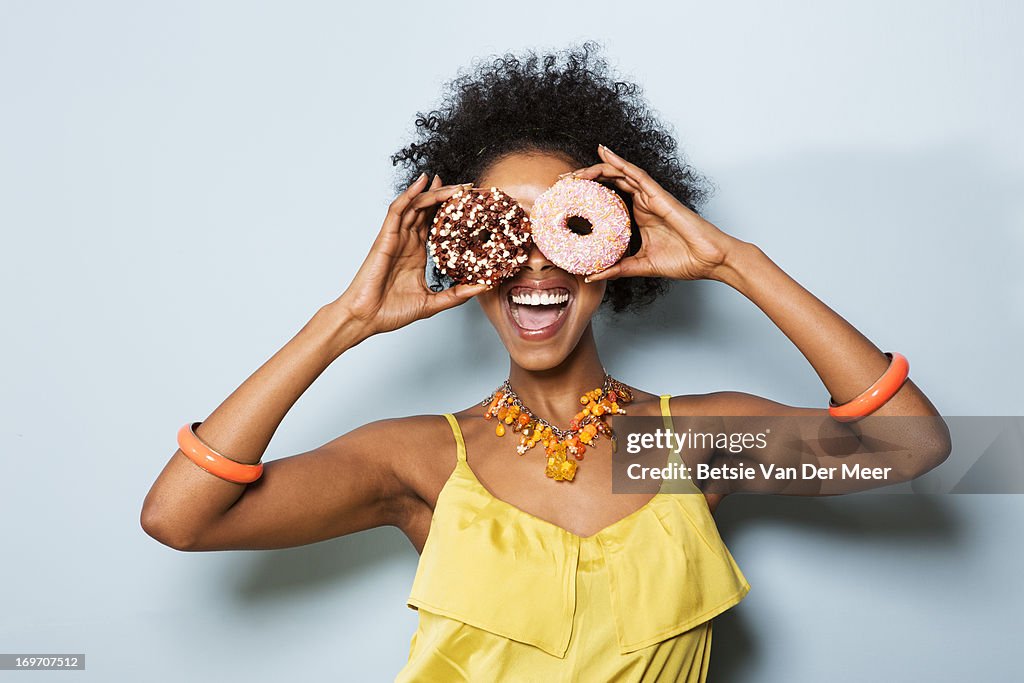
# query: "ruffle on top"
498,568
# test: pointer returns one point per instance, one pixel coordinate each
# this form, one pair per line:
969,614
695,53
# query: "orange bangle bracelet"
212,461
876,395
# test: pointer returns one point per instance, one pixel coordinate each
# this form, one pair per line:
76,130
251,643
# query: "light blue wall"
183,184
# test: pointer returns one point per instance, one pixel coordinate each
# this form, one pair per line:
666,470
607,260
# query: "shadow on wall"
913,523
280,576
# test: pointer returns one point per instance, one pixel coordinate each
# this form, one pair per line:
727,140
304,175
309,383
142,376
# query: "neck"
554,394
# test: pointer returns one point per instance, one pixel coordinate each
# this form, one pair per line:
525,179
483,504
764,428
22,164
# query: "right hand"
390,289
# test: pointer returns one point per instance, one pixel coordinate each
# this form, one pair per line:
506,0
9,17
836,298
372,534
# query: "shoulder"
405,448
734,403
411,435
403,431
419,453
417,427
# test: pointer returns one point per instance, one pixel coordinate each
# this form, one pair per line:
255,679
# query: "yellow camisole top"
503,595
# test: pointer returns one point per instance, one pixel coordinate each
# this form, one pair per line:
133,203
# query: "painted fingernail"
586,279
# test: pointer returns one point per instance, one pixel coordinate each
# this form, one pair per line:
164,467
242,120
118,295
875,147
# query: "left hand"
676,242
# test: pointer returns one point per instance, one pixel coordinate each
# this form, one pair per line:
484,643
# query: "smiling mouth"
536,309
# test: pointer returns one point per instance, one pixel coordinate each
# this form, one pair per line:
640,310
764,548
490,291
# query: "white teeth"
539,298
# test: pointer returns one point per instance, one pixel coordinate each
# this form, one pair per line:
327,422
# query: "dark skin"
352,483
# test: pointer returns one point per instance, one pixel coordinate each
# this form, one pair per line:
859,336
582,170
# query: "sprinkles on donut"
581,254
479,236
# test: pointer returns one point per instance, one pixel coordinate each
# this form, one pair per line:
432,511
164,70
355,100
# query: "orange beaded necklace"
585,428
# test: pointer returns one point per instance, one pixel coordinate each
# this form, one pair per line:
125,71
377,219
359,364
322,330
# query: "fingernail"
586,279
606,148
420,177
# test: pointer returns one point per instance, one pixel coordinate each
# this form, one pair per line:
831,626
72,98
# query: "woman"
522,577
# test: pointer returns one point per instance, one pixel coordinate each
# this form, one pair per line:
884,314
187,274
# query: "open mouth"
535,310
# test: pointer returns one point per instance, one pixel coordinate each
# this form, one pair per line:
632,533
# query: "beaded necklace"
585,428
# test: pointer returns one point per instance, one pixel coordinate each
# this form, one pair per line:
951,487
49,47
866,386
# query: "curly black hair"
564,102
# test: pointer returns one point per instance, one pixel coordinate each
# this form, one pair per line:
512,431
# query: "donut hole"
579,225
482,237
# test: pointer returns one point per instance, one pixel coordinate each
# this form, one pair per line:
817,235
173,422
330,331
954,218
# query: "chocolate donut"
479,236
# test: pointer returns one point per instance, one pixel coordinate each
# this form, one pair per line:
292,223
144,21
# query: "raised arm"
678,243
910,438
345,485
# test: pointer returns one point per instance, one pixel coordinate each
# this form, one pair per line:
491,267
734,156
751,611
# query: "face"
542,312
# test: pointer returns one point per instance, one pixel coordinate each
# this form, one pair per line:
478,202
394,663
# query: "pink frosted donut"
600,206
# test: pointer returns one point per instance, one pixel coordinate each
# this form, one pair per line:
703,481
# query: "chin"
541,319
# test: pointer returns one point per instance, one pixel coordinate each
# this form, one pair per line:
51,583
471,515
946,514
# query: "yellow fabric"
506,596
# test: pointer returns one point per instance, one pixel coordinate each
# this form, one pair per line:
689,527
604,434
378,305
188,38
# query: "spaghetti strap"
673,455
666,412
459,442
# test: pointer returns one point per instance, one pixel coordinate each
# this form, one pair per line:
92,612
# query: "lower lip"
544,332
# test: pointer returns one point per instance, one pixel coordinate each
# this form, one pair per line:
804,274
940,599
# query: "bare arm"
343,486
185,504
680,244
897,450
847,363
846,457
845,360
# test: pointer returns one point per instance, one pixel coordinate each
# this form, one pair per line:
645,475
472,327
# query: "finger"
624,185
417,209
434,185
605,171
397,207
609,273
627,267
632,171
435,195
599,170
421,209
453,296
416,190
618,179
